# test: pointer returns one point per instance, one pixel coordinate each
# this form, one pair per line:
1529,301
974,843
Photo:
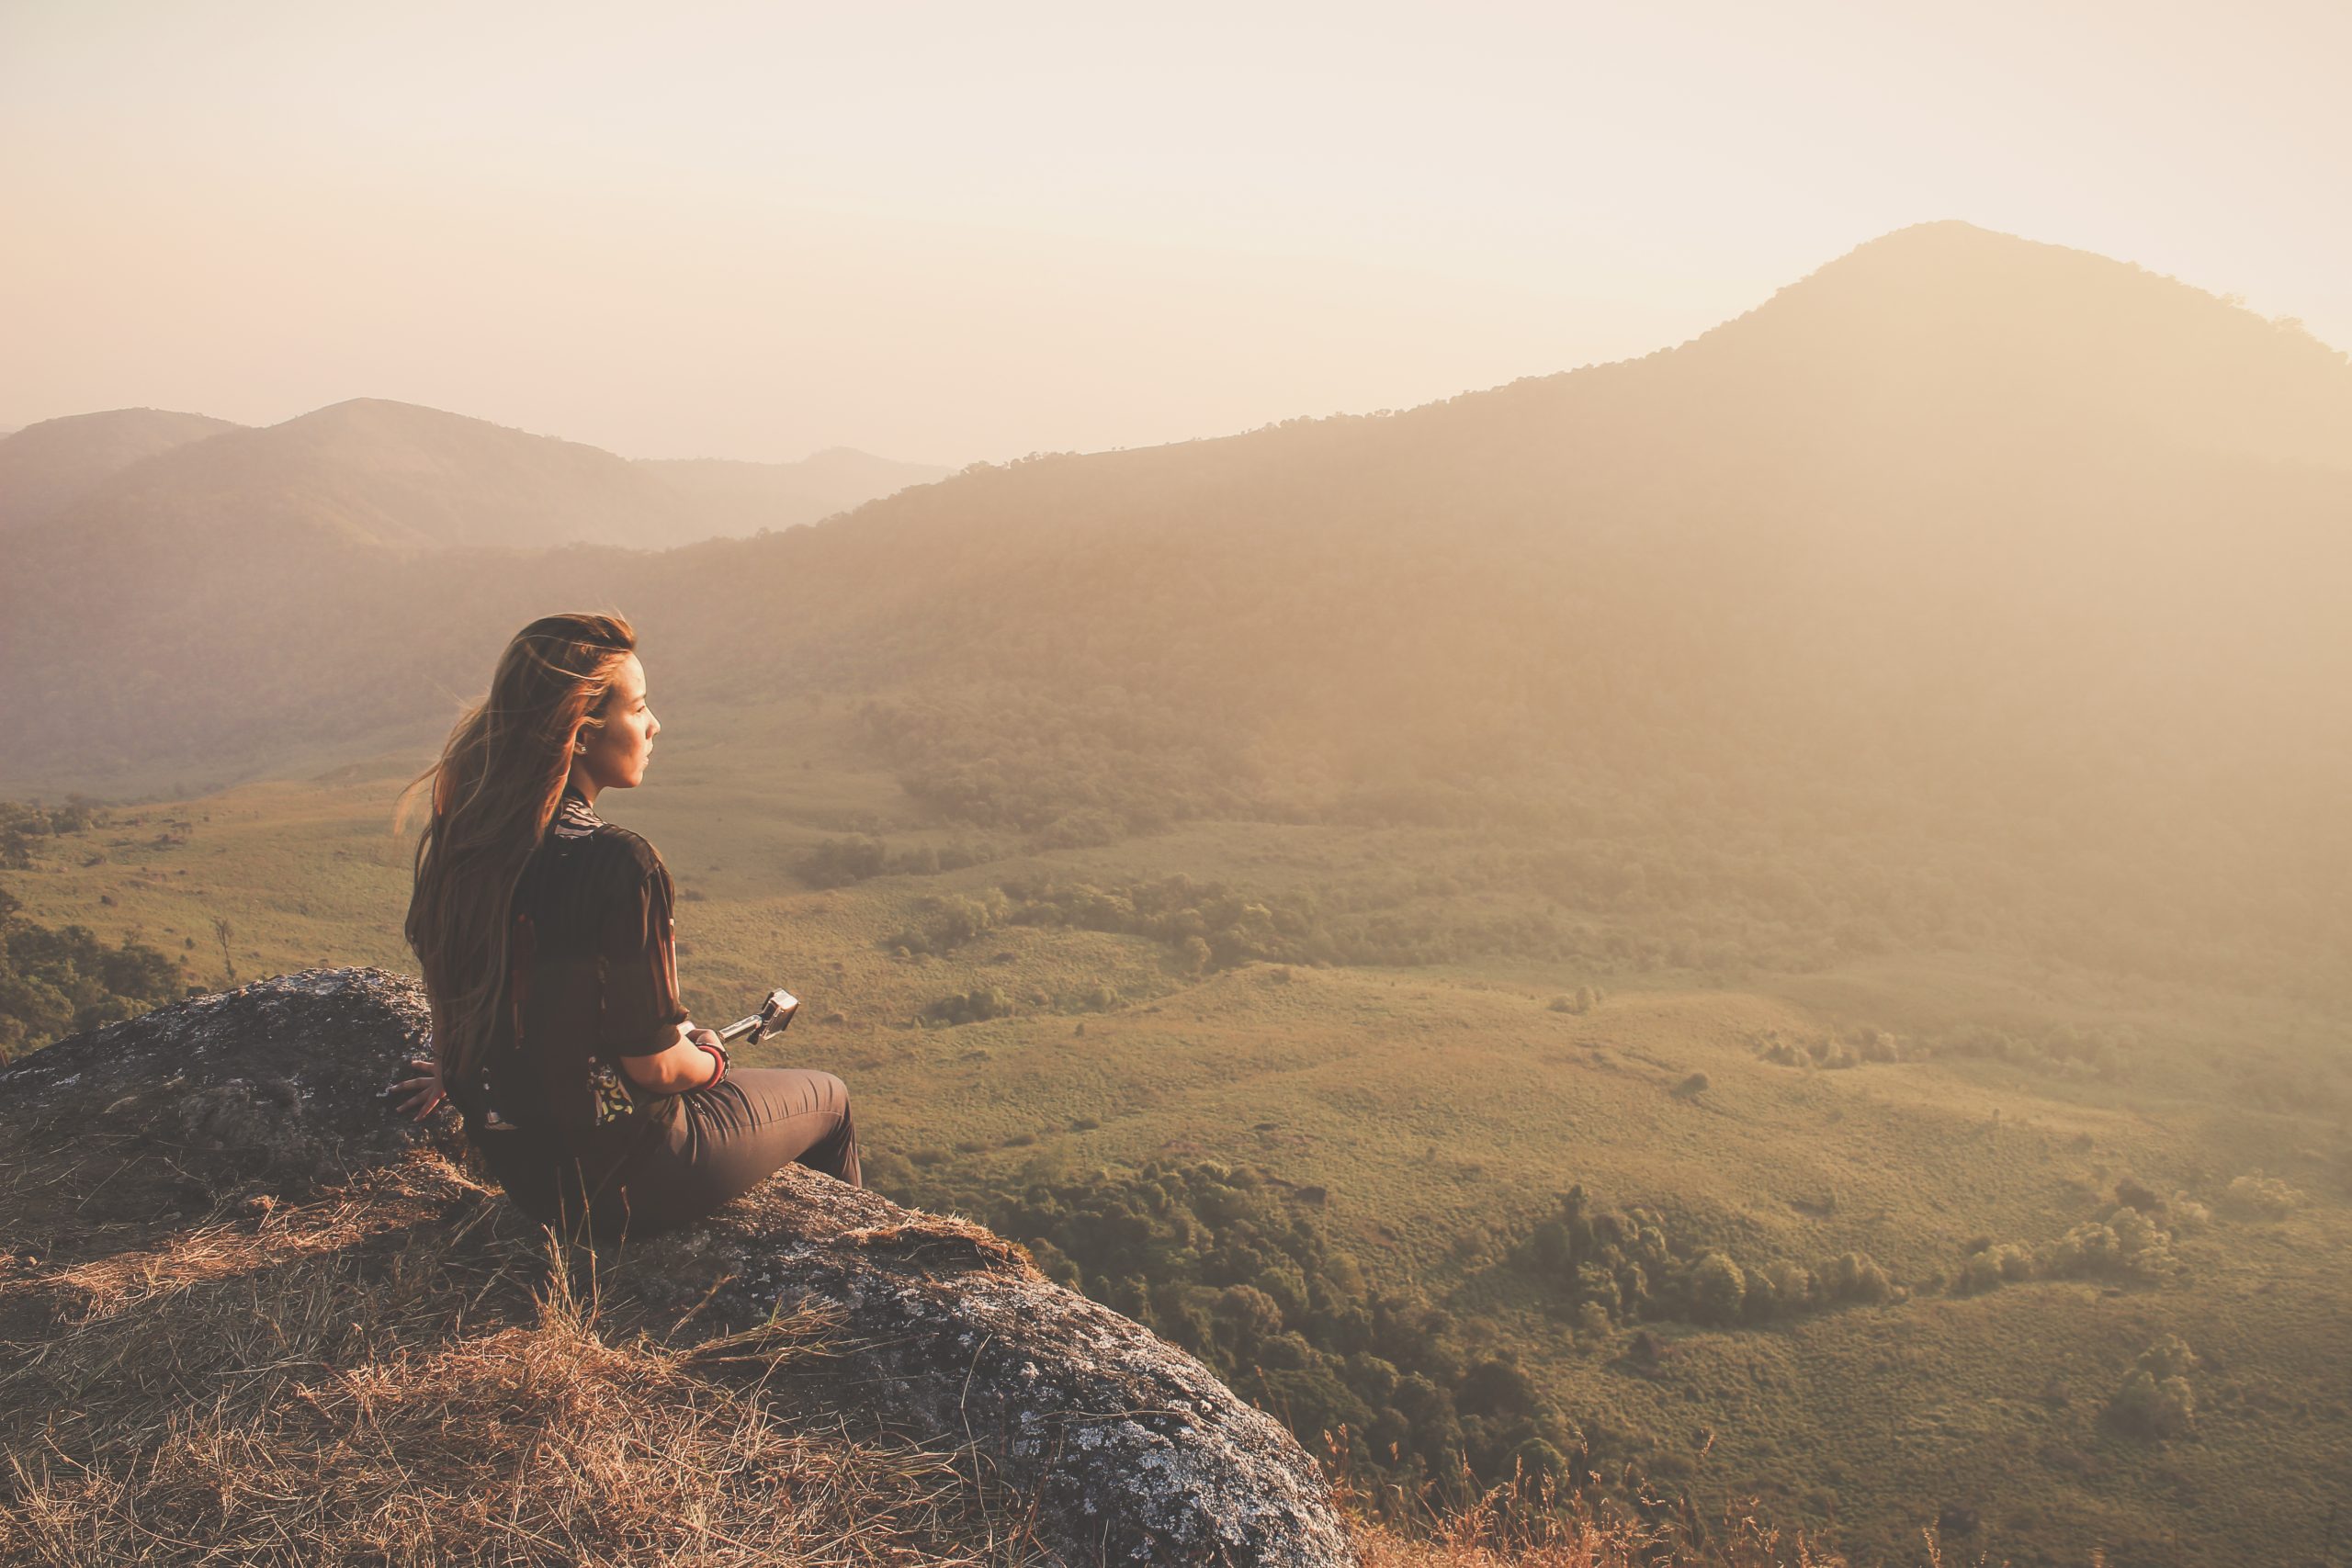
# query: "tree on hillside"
2155,1399
59,981
1718,1289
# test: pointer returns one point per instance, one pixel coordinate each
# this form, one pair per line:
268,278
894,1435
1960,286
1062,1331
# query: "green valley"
1425,1119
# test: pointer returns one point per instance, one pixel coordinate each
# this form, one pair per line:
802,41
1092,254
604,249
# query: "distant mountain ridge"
46,467
372,474
1944,423
1958,526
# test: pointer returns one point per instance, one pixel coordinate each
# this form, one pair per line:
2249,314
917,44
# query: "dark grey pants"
735,1135
726,1140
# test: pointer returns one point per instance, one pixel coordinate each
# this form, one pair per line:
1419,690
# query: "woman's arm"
683,1063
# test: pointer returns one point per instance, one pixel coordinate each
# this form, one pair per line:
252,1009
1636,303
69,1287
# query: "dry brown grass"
376,1379
401,1373
1584,1543
1531,1526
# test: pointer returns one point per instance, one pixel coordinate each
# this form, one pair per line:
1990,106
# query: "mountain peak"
1952,236
389,416
1954,333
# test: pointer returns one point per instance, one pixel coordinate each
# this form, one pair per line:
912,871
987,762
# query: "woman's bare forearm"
675,1069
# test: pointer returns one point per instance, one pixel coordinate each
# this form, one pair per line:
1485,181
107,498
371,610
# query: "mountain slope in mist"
1946,331
46,467
2017,514
378,475
1960,531
747,496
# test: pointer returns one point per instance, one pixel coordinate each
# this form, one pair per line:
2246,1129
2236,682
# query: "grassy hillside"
1442,1108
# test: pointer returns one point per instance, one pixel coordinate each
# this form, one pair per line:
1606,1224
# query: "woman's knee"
808,1090
775,1094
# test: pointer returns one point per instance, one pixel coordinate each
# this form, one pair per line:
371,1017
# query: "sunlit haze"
956,232
1587,761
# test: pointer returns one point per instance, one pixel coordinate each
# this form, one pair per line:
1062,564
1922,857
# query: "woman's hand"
424,1093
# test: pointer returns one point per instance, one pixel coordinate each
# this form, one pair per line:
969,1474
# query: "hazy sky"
968,230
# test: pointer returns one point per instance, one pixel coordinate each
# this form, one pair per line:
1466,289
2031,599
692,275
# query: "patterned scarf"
574,818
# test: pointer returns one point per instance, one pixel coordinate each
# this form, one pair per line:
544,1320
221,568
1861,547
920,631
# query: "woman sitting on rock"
545,936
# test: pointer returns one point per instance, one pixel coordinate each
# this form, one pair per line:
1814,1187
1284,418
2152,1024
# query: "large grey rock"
1128,1449
1134,1452
279,1083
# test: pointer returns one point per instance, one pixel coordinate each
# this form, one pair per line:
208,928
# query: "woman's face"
619,749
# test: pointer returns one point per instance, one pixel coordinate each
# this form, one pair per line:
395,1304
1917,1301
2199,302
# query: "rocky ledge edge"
1128,1450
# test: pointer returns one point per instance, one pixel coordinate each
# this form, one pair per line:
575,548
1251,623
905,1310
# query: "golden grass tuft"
1530,1524
949,1234
1579,1542
373,1379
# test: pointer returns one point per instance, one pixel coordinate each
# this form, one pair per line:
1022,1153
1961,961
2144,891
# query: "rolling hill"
386,475
337,532
46,467
399,479
1963,541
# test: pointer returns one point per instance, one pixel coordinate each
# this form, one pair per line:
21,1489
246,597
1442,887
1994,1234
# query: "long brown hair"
496,787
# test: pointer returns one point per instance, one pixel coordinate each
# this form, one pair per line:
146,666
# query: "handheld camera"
774,1017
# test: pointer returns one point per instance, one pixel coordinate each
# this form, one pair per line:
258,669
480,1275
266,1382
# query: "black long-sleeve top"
592,978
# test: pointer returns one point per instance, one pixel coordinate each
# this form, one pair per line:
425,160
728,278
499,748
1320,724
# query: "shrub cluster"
1208,926
1605,1266
58,982
2061,1049
2260,1197
2155,1399
23,822
945,921
838,862
1851,1048
974,1006
2127,1244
